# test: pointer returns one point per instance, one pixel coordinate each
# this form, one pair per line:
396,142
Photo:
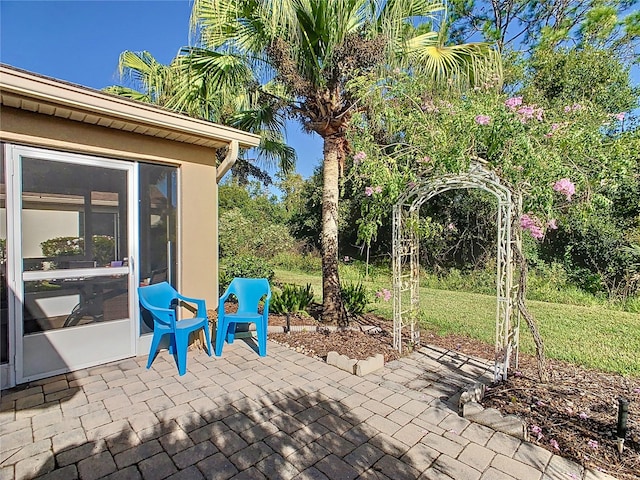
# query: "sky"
80,42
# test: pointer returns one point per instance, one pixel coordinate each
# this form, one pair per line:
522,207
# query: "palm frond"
276,151
144,72
129,93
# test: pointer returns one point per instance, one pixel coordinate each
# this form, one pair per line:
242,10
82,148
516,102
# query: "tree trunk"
332,301
543,371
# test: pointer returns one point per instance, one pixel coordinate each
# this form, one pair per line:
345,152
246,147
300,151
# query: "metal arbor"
406,296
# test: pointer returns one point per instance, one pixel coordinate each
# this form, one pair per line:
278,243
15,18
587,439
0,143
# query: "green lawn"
592,336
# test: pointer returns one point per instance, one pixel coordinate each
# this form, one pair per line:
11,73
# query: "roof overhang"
48,96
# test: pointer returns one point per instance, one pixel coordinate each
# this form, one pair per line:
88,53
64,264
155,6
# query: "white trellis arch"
406,296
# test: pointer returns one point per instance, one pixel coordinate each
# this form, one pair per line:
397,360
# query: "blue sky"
80,42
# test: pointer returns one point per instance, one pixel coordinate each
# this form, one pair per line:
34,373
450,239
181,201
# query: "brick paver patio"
240,416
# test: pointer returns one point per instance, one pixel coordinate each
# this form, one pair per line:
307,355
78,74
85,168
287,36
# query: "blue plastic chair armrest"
201,304
165,315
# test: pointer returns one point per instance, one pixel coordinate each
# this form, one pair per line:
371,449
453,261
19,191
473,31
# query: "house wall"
198,230
198,187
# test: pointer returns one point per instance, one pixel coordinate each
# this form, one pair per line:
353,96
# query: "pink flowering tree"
558,160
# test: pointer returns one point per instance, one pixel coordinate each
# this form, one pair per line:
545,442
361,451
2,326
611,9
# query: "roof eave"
131,115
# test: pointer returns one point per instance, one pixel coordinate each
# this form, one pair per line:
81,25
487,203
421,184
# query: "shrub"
62,246
355,297
292,299
103,247
239,235
247,266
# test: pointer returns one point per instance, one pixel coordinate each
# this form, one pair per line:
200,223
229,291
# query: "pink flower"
527,112
384,294
536,430
619,116
377,189
593,444
527,221
359,157
513,102
566,187
554,443
583,416
346,258
483,119
552,224
572,108
531,223
451,226
554,127
368,191
536,232
425,159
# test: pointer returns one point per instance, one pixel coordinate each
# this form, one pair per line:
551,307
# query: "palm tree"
306,52
225,93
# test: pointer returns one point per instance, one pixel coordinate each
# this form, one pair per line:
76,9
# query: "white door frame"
16,276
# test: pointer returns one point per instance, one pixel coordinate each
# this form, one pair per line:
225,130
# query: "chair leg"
220,334
154,348
261,331
207,337
182,342
231,333
172,345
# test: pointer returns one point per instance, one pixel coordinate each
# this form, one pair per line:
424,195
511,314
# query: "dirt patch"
574,416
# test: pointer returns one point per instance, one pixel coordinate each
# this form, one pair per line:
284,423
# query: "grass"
593,336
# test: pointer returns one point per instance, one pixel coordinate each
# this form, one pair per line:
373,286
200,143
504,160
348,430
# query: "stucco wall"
198,233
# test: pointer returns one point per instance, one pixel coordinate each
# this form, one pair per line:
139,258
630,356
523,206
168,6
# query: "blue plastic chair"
160,300
248,291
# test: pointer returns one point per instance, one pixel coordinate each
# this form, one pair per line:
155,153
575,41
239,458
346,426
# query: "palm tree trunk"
332,301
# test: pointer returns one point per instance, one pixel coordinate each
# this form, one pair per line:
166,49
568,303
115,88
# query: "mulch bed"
574,416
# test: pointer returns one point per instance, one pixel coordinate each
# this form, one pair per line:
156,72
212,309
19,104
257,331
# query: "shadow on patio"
241,416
